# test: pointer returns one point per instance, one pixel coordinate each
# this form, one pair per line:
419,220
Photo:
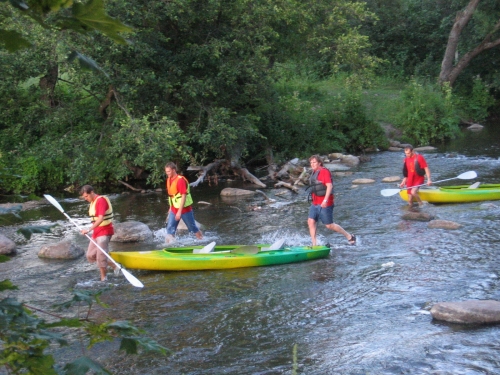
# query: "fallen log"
129,186
204,170
288,186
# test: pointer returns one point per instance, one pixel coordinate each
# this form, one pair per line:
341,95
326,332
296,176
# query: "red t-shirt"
325,177
182,189
413,178
101,206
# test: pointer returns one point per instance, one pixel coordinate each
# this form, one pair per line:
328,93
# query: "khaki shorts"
94,254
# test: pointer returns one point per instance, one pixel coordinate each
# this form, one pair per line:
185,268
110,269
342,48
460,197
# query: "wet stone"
443,224
467,312
61,250
7,246
131,231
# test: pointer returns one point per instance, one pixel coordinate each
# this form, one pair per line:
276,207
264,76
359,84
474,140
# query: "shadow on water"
364,309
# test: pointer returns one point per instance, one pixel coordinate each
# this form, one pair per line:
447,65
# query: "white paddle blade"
389,192
275,246
207,249
131,278
54,202
468,175
475,185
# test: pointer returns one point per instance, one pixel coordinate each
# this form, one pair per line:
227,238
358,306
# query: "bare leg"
312,230
199,235
337,228
103,271
414,195
169,238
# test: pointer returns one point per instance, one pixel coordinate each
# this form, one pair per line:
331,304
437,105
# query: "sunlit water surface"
363,310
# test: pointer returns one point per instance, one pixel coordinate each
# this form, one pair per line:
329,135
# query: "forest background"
96,92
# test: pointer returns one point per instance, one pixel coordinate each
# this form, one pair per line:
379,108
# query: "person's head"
408,150
315,161
170,169
87,192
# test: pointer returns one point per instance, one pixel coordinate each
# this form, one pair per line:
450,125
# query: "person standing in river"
180,200
323,201
101,216
414,169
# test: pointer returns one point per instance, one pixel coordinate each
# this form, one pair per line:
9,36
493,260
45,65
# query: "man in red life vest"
322,201
414,169
101,216
180,200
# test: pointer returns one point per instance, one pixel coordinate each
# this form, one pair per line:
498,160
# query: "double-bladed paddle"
464,176
131,278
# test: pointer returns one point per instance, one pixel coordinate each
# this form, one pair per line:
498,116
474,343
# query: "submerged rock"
61,250
7,246
417,216
443,224
131,231
468,312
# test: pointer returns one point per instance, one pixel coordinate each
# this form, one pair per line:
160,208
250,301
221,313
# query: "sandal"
352,240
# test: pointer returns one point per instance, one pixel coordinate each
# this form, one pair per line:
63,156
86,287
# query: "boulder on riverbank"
61,250
467,312
443,224
7,246
391,179
131,231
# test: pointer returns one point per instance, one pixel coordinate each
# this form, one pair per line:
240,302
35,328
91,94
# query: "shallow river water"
362,310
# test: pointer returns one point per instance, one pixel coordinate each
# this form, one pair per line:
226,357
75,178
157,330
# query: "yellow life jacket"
108,215
174,197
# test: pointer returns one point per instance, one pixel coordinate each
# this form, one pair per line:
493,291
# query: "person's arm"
329,188
403,183
428,174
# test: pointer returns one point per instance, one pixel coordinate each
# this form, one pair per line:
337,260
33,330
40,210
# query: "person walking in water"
180,200
323,201
101,216
414,169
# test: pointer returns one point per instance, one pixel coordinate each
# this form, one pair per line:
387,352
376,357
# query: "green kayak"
220,257
457,194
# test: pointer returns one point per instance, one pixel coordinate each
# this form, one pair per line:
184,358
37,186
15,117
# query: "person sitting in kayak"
179,198
322,201
414,169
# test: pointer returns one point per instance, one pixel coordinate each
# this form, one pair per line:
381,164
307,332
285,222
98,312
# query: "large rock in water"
7,246
131,231
61,250
467,312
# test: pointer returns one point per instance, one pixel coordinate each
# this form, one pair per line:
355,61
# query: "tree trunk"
450,72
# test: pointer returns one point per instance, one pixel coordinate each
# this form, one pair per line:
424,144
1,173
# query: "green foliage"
83,18
25,338
427,113
474,105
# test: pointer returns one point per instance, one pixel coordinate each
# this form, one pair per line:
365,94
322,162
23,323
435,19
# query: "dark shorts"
316,212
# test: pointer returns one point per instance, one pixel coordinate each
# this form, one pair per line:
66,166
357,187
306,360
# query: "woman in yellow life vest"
101,215
180,200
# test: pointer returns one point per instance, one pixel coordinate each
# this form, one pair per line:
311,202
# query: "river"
362,310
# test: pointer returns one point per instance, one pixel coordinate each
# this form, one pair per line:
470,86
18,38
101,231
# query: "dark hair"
317,158
171,165
408,147
86,189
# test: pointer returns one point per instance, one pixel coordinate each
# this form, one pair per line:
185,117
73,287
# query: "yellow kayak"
222,257
457,194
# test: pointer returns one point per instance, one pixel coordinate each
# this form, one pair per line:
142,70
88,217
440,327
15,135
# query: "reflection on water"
365,309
